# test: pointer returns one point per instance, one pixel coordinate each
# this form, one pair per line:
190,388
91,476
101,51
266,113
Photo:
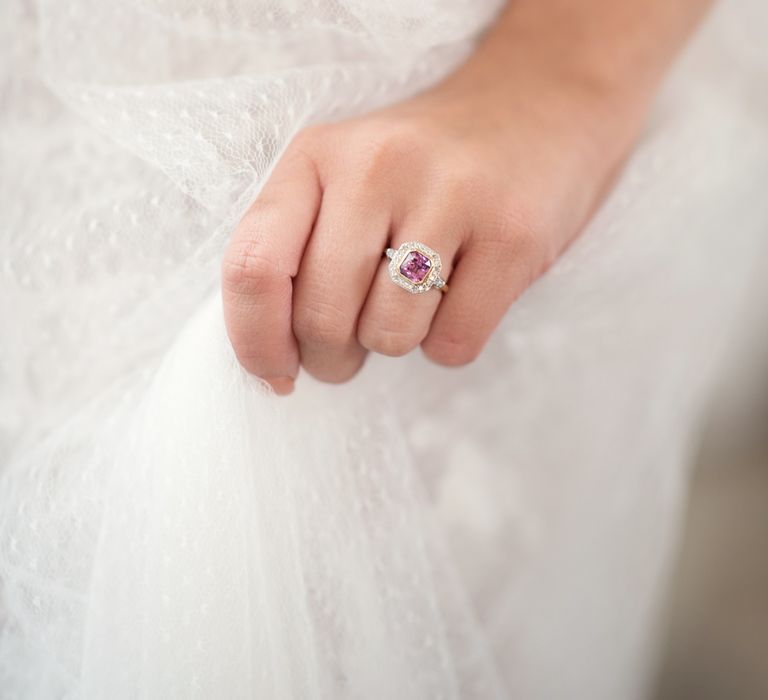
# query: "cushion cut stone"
415,266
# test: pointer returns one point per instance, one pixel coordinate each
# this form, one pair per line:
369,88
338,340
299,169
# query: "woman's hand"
493,169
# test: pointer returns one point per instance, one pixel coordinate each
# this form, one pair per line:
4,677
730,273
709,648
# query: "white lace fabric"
170,530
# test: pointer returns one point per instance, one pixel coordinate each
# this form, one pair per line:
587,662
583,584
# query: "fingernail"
282,385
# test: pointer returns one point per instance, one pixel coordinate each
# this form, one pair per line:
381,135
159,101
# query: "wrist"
577,109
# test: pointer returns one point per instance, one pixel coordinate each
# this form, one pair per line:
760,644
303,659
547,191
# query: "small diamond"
415,266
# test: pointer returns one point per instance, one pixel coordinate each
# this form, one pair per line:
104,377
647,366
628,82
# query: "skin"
497,168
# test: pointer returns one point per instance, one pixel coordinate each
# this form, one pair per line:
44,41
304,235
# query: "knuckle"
257,221
336,372
509,222
465,186
322,323
450,352
459,192
247,269
386,341
521,235
386,152
313,133
306,141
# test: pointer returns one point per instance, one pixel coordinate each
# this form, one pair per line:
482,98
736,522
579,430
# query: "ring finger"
393,320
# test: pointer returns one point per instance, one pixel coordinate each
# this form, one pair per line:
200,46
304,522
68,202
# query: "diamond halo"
415,267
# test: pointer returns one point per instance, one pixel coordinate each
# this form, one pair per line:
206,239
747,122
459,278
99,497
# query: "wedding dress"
168,529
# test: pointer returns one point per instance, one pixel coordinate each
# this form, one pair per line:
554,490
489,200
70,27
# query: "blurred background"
716,637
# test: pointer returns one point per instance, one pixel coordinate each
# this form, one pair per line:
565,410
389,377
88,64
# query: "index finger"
258,268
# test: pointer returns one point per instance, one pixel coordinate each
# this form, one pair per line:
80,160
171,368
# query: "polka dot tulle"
168,529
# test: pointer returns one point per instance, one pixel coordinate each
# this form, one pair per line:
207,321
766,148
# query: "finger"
485,282
258,269
395,321
336,271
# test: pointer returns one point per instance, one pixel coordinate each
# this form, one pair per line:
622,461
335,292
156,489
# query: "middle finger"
336,271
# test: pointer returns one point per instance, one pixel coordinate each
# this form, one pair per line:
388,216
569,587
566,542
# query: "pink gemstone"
415,266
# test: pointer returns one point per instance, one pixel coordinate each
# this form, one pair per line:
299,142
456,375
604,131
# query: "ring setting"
415,267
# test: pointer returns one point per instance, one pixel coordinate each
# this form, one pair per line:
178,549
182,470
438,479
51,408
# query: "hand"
496,188
496,169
